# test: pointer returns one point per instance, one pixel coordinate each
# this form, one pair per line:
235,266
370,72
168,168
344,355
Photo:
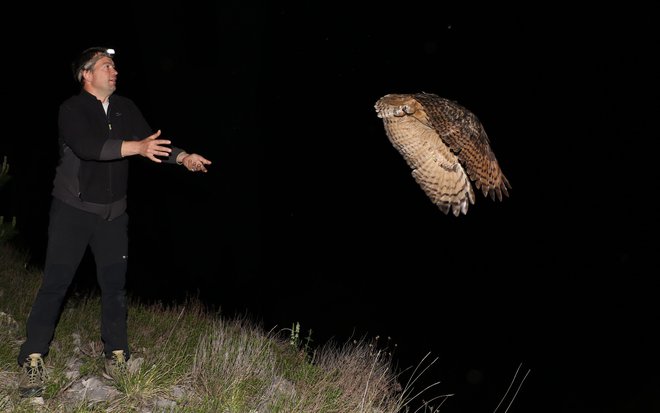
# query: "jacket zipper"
107,117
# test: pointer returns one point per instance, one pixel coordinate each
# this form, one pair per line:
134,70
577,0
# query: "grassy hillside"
185,359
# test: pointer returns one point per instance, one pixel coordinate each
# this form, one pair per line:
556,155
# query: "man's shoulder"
73,99
75,102
79,99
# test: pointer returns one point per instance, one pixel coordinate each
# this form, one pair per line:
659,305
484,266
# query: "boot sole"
32,392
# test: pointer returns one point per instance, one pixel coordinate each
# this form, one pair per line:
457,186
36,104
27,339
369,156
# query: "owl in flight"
445,145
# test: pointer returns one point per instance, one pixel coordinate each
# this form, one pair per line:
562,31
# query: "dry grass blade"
415,375
509,389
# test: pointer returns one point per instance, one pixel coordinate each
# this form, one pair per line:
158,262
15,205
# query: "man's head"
87,59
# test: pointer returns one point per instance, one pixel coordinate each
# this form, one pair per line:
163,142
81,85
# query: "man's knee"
57,278
112,277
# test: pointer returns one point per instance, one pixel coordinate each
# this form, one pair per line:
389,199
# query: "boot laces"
35,370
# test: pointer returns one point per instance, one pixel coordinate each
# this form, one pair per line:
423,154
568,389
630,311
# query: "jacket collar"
86,95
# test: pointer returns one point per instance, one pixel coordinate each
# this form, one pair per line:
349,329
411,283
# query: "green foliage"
4,172
295,341
7,229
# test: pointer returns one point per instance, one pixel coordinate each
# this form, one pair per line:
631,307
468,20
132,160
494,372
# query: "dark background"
309,215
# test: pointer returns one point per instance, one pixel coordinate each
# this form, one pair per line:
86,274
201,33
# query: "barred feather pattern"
446,147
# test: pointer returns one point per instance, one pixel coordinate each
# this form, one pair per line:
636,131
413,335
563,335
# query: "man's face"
103,75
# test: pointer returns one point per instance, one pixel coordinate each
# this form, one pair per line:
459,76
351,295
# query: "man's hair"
87,59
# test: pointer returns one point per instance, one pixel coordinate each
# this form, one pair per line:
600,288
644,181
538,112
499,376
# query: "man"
98,130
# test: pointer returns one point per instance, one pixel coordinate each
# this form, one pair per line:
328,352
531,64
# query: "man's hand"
149,147
195,163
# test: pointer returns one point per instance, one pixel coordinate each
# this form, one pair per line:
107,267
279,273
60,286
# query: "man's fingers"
199,158
161,149
153,137
157,149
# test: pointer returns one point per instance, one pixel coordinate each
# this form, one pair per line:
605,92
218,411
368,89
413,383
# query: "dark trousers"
70,230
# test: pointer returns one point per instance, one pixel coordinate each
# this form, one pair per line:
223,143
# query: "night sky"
309,214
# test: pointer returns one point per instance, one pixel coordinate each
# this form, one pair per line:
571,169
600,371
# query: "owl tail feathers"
504,186
496,190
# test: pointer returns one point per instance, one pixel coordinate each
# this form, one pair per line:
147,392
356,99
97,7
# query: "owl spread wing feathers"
445,145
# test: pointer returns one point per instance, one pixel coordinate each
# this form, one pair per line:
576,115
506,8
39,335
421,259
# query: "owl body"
446,147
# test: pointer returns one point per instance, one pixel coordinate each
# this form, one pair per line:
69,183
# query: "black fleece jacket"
91,174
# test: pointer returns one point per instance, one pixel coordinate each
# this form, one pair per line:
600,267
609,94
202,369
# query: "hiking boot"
115,365
34,376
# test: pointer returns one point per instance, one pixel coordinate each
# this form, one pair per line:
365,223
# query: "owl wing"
435,168
462,131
